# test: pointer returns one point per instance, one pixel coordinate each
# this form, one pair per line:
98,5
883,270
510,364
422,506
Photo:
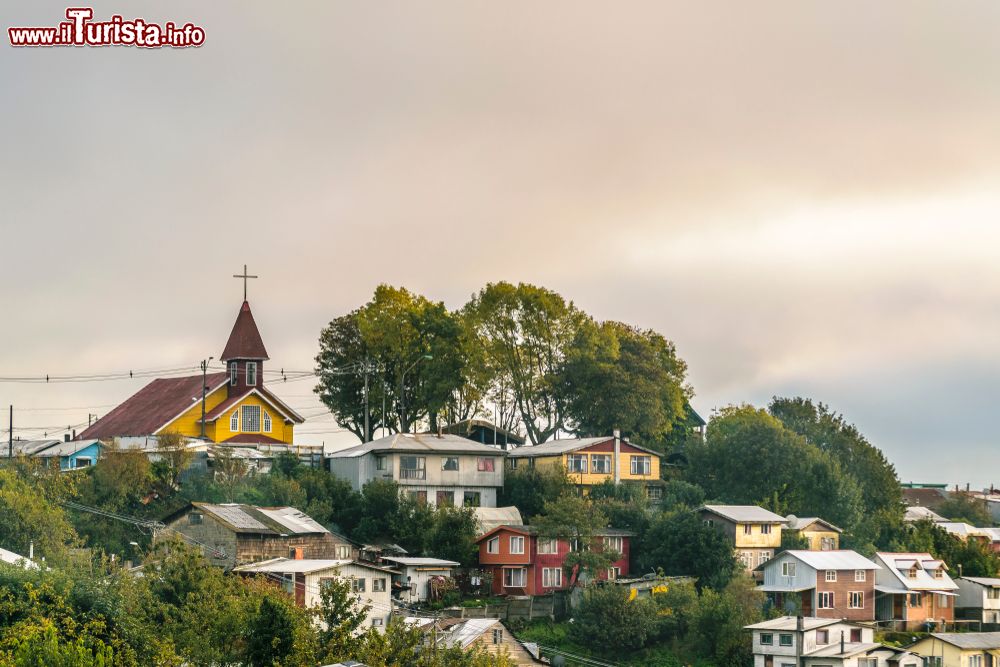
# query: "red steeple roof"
244,341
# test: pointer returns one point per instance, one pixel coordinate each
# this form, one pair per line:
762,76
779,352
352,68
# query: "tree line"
521,355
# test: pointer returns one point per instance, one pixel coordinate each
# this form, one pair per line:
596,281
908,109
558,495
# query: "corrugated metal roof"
918,512
463,634
293,520
417,561
244,340
744,513
29,447
788,623
843,559
983,581
897,563
305,565
850,649
966,640
491,517
801,523
554,447
66,448
236,517
418,442
17,559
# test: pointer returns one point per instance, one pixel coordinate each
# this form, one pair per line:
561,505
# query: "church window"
251,373
251,418
234,421
233,370
267,423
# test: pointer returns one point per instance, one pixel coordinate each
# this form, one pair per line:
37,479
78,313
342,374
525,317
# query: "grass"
558,636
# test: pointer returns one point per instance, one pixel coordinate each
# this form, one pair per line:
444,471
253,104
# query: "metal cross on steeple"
244,276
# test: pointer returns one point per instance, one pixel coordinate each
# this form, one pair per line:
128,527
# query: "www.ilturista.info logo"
79,30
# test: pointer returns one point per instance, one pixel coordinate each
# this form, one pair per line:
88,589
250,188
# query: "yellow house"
754,531
958,649
237,407
591,461
820,535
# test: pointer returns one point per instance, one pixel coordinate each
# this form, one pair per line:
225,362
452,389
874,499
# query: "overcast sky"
802,195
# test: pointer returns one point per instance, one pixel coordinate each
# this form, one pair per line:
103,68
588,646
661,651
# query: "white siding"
381,602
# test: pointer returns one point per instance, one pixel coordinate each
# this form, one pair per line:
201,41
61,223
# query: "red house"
525,564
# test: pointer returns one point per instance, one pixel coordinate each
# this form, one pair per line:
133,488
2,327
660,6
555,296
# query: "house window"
486,464
196,518
860,575
267,422
993,593
449,463
380,463
822,636
343,552
512,463
747,528
83,462
939,573
831,575
614,573
867,662
788,569
358,585
576,545
233,372
576,463
855,635
548,546
975,661
378,585
746,557
784,640
377,622
763,557
765,529
912,573
471,499
445,498
252,373
640,465
825,600
916,600
412,467
710,523
856,600
766,639
654,493
552,577
497,636
419,497
493,545
515,577
251,418
516,544
933,661
826,544
942,601
613,544
600,464
234,421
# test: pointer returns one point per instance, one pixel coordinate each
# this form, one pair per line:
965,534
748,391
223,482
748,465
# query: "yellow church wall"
189,423
279,430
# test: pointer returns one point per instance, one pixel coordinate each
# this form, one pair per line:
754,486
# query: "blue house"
71,455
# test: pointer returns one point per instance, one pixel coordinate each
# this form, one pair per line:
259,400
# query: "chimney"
74,434
618,451
841,642
799,640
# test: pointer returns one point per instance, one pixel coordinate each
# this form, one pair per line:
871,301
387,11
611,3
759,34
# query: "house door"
300,589
768,661
989,660
807,603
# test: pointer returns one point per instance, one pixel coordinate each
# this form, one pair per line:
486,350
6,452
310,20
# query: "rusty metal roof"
244,341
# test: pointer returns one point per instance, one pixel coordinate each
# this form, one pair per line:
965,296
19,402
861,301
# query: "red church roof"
155,405
245,341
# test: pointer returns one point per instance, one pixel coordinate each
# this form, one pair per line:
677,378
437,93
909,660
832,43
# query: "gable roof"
556,447
970,640
897,562
919,512
420,443
304,565
841,559
244,340
982,581
153,407
801,523
743,513
531,530
261,393
252,520
789,623
60,448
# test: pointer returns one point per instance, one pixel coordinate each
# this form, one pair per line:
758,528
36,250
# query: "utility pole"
204,386
10,435
367,436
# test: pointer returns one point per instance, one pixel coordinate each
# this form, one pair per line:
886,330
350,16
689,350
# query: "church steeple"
244,355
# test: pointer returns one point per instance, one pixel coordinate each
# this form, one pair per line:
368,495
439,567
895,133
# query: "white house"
820,642
305,579
978,599
415,575
437,469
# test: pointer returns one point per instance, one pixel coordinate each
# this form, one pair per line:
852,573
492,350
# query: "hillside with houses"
519,493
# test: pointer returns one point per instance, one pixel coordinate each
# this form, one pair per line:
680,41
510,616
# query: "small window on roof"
196,518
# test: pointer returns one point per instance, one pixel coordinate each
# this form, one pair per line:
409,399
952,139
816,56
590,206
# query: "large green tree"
525,332
681,544
616,376
881,497
529,487
751,458
409,350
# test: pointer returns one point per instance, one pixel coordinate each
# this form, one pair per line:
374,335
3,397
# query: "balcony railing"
412,473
